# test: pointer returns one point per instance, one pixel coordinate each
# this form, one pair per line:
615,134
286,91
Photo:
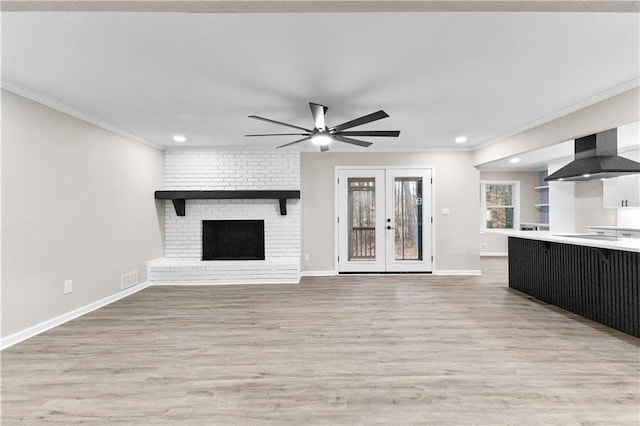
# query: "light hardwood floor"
345,350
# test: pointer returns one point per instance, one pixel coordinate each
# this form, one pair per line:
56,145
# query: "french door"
384,220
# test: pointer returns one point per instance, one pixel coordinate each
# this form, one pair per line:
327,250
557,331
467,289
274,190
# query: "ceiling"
440,75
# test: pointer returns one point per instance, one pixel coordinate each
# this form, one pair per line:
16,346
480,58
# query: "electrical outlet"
68,286
306,256
483,247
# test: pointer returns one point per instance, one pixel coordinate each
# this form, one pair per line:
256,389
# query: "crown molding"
321,6
66,109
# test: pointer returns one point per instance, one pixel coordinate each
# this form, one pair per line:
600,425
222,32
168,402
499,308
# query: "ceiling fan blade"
324,148
318,111
291,143
281,134
351,141
385,133
268,120
378,115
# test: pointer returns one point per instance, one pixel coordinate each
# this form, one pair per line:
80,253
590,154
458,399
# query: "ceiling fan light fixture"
321,139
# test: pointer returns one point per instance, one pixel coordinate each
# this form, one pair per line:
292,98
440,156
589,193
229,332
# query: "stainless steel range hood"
596,157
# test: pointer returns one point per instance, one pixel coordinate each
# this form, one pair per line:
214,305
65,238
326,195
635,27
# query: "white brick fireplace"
231,171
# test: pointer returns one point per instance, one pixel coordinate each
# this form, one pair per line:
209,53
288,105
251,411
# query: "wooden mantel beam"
179,197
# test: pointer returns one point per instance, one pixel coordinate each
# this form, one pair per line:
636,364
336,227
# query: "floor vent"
129,279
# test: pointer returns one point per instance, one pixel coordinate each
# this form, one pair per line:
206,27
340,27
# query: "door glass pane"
362,218
408,218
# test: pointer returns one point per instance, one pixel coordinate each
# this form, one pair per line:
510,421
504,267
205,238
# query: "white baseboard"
458,272
318,273
494,254
437,272
218,283
27,333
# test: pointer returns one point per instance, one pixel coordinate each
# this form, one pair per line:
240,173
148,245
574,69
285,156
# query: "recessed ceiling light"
179,138
461,139
515,160
587,175
320,139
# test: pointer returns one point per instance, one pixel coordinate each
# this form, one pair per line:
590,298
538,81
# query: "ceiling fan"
322,135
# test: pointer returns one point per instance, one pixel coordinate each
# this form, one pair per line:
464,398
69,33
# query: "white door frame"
336,238
426,264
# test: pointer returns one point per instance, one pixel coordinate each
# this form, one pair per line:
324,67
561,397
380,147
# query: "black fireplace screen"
233,240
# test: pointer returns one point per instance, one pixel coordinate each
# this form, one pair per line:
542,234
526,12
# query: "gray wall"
455,186
77,204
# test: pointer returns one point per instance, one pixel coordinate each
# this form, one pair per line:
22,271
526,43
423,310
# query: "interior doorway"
385,220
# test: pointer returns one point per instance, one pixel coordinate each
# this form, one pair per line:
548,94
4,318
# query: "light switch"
68,286
445,211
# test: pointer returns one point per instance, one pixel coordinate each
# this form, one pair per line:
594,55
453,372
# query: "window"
500,202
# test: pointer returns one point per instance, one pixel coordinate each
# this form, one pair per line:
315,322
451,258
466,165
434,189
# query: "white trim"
218,283
515,168
262,148
493,253
569,109
434,225
336,216
458,272
32,331
336,204
381,168
318,273
385,274
516,203
66,109
496,231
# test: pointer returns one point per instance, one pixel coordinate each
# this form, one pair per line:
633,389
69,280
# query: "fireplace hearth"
233,240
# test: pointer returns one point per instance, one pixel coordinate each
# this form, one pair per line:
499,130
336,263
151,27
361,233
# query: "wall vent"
129,279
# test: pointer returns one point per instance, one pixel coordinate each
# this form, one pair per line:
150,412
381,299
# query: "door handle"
389,227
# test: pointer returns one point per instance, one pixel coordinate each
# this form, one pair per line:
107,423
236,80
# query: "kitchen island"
597,278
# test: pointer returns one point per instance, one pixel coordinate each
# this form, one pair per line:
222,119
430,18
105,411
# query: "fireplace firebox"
233,240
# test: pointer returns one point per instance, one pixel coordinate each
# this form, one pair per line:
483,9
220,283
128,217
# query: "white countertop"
615,228
626,244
